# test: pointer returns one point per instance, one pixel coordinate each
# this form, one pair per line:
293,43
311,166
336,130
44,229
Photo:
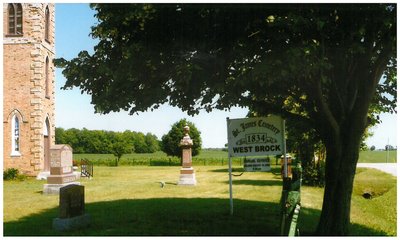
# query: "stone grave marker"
72,209
187,175
72,201
61,171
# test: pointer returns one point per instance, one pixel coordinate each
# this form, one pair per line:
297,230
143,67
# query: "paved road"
390,168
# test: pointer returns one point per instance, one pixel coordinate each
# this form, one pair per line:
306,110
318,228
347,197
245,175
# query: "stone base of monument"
55,188
66,224
77,174
187,177
43,175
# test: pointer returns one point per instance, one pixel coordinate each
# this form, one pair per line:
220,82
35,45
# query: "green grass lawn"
128,201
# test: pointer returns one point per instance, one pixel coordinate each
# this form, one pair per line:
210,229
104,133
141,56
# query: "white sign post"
259,136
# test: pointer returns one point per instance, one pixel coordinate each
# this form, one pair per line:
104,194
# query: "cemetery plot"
72,209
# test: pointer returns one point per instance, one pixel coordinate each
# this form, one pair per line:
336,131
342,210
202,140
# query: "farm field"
378,156
205,158
208,157
128,201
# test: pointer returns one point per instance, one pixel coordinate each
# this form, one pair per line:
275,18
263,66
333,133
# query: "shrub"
10,174
21,177
314,175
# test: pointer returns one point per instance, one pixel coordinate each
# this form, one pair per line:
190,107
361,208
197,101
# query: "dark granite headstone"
72,201
72,209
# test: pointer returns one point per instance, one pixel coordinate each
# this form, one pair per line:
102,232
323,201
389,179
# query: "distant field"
207,158
378,157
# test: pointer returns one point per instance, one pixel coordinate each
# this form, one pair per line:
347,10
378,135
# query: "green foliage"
302,140
120,147
152,144
247,65
372,148
171,140
314,175
99,141
13,174
10,174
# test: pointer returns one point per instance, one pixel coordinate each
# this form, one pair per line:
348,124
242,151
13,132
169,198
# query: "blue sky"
73,110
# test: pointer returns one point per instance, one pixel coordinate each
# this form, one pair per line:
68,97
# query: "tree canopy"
170,141
331,66
100,141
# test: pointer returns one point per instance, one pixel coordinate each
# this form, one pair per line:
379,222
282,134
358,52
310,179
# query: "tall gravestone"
187,175
72,209
61,171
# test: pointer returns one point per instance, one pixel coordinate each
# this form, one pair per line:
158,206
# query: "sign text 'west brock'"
255,136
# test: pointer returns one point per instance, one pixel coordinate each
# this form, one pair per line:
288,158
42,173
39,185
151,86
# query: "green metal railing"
290,203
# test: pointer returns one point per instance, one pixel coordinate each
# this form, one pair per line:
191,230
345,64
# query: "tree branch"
324,108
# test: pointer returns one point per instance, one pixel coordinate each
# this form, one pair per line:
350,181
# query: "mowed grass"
369,217
128,201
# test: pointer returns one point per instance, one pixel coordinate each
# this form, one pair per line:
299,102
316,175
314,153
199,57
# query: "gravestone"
187,175
72,209
61,171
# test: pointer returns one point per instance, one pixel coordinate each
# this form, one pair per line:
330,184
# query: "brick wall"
24,86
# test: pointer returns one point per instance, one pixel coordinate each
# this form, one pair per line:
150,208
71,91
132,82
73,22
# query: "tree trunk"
341,162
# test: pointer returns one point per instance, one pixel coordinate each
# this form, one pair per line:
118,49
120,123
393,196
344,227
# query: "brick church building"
28,86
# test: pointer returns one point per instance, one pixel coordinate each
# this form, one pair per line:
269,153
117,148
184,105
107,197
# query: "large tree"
170,141
331,66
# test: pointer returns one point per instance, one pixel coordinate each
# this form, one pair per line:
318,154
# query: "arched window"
47,25
46,127
15,19
15,134
47,83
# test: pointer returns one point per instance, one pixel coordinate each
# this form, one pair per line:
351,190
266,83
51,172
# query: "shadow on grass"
161,217
173,217
256,182
240,169
308,221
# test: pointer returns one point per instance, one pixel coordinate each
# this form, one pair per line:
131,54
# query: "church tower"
28,86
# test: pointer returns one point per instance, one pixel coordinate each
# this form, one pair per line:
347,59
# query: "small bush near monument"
13,174
10,174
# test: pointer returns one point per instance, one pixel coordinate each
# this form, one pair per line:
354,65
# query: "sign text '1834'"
259,138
